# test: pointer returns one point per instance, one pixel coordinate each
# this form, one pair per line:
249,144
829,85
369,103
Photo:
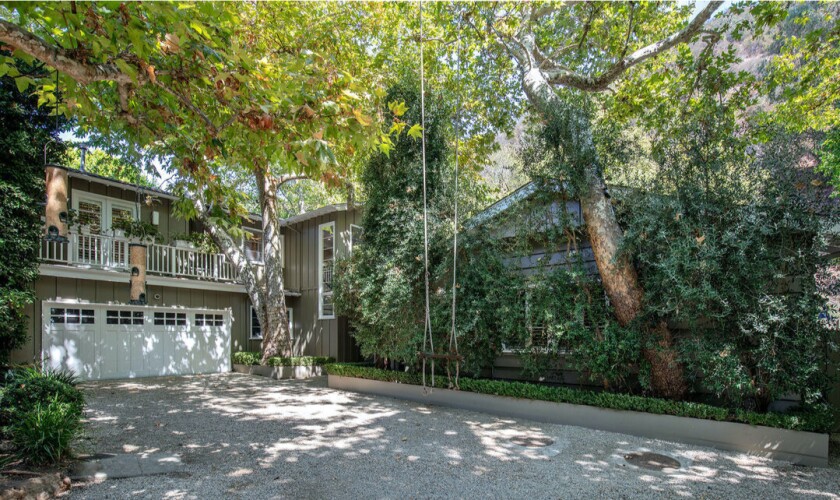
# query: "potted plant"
182,240
204,243
137,231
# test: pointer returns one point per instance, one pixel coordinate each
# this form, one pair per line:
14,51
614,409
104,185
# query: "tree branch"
565,77
61,60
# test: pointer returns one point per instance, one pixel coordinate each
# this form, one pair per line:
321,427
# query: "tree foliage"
25,130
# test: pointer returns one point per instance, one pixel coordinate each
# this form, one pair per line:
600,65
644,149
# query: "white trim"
120,276
339,207
321,267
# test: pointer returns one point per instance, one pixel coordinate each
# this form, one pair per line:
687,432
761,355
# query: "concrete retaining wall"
279,372
807,448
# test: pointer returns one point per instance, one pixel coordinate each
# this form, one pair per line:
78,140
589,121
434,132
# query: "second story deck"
111,253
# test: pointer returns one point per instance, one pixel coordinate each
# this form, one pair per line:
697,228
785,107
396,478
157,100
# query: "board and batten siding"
169,224
103,292
313,336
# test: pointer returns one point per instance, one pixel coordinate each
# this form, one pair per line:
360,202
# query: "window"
356,236
209,320
124,317
326,258
71,316
170,319
101,212
253,243
256,331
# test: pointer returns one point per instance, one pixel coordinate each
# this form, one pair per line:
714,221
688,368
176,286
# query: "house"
193,311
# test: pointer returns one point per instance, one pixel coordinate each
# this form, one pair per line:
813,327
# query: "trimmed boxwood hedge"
816,419
253,358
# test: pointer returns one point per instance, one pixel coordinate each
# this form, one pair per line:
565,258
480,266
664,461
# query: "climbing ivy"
25,129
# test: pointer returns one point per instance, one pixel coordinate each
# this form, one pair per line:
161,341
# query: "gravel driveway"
250,437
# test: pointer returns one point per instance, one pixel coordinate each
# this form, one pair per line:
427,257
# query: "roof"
73,172
81,174
329,209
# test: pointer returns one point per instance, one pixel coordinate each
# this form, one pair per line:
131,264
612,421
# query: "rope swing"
428,352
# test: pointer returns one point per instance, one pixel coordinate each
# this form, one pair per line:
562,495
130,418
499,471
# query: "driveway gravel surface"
242,436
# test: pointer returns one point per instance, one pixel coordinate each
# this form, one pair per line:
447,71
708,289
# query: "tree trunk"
274,318
621,283
263,283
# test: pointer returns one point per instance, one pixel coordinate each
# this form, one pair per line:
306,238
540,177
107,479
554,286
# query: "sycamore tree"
572,62
275,91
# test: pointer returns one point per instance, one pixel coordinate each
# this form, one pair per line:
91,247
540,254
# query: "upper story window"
326,261
253,245
99,213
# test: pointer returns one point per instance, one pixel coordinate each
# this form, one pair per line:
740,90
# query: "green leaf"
416,131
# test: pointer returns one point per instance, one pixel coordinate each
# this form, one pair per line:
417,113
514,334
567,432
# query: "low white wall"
807,448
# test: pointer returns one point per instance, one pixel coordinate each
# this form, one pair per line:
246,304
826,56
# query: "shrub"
300,361
253,358
40,412
44,433
26,388
817,418
246,358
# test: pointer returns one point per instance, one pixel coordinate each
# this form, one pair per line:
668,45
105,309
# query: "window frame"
321,292
290,312
106,204
257,233
353,244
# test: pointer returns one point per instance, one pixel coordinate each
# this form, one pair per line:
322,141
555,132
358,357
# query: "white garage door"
102,341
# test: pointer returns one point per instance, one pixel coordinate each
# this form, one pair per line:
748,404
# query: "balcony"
111,253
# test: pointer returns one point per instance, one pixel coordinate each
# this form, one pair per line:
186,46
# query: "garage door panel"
125,342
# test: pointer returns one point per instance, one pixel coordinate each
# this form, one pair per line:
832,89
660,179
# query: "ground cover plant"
40,414
817,419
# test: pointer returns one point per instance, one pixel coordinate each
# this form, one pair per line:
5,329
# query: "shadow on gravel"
251,437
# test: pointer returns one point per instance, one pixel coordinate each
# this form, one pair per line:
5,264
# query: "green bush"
817,418
253,358
25,388
44,433
300,361
40,413
246,358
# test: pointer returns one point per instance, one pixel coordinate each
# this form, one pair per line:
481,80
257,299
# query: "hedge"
253,358
818,418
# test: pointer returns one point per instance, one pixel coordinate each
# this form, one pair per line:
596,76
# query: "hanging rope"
427,329
453,335
428,352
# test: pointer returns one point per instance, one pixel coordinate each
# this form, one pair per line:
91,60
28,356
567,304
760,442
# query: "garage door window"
209,320
124,317
171,319
71,316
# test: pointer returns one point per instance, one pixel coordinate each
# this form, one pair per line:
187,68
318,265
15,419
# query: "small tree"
381,288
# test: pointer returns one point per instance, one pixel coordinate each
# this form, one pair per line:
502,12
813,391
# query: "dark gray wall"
317,337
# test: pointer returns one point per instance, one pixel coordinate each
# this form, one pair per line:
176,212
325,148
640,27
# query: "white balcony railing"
108,252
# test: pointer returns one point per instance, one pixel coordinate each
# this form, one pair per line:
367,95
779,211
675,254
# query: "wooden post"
137,264
56,210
